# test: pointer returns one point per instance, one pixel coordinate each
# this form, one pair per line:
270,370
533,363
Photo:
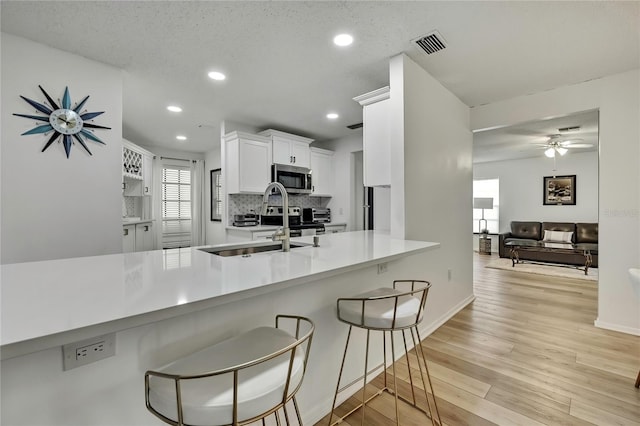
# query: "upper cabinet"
248,163
376,143
288,148
321,172
137,170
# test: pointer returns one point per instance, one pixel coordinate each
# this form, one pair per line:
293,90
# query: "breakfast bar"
165,304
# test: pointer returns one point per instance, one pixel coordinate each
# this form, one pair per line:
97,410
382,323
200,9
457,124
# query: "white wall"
54,207
521,183
431,169
215,230
618,99
340,204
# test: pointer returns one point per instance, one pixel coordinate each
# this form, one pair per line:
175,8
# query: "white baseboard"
616,327
322,408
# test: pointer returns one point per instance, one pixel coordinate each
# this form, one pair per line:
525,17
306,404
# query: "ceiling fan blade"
578,145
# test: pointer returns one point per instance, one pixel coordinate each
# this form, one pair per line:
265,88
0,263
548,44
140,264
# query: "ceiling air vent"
569,129
354,126
430,43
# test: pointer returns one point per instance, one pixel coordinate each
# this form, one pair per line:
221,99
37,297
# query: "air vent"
569,129
354,126
430,43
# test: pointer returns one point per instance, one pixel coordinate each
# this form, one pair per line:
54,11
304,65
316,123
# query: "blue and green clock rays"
66,123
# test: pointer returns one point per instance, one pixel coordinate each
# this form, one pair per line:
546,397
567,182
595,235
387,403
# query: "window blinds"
176,207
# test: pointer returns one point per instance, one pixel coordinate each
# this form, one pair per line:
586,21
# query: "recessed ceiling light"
174,108
181,138
215,75
332,116
343,40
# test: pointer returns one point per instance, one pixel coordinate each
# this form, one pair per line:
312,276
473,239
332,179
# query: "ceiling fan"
561,144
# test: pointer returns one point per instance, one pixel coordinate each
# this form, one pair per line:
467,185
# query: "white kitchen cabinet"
144,236
321,172
128,238
288,148
376,138
248,163
137,237
137,170
333,229
147,174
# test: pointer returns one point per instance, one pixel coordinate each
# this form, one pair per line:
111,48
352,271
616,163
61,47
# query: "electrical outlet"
88,351
382,268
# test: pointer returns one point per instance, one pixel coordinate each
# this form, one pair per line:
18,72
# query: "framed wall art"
559,190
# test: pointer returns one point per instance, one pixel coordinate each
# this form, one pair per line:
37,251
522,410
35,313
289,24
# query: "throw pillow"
558,236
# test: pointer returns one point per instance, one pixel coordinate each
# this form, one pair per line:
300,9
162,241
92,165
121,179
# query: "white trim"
322,409
374,96
616,327
277,133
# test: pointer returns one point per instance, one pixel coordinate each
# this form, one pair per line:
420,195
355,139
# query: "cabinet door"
144,236
132,187
128,238
322,173
282,151
300,154
262,235
147,174
255,170
334,229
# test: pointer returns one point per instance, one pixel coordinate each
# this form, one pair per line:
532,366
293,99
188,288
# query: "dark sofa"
528,231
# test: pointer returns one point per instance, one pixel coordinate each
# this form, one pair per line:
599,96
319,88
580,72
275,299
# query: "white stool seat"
209,400
379,314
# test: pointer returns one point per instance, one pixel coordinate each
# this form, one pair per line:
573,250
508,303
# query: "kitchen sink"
249,248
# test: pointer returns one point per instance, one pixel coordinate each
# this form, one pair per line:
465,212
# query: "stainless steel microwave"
296,180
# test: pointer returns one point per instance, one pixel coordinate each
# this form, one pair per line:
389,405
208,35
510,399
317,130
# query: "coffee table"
515,247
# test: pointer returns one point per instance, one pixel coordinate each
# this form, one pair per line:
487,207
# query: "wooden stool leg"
638,380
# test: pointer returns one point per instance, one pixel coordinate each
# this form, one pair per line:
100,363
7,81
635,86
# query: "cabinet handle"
294,159
126,232
124,185
146,189
146,228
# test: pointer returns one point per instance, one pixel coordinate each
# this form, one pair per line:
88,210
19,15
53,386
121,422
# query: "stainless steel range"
274,215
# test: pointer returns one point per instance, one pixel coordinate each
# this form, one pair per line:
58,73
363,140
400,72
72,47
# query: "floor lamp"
482,203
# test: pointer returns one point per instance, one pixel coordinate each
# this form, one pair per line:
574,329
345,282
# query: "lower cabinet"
138,237
128,238
332,229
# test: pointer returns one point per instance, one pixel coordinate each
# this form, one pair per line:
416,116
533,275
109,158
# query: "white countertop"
135,222
108,293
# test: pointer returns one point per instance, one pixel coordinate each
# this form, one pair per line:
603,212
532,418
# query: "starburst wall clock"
66,123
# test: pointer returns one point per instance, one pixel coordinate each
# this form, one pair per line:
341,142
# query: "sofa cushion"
560,226
557,236
525,230
587,233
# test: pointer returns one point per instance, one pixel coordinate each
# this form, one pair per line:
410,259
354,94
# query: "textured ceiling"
284,72
530,139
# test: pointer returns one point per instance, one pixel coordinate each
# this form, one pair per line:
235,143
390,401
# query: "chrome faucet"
282,234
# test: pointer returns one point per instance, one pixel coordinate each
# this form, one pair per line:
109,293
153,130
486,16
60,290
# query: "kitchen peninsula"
164,304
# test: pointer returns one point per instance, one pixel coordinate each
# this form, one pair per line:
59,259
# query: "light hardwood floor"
525,352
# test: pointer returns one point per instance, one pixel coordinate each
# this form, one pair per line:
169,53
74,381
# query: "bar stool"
400,308
237,381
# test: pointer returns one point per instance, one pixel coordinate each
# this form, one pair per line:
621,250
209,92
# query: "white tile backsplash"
249,203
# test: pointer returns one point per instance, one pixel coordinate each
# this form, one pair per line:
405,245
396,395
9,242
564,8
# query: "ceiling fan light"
550,152
561,150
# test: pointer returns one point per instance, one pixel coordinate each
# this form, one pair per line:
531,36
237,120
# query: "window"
487,188
176,207
216,195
